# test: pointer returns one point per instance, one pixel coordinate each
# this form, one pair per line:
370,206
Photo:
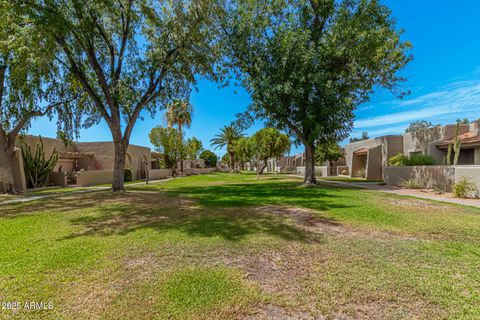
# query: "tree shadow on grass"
60,203
320,198
231,212
228,211
231,225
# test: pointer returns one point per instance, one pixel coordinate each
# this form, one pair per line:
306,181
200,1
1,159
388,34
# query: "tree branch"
12,135
123,44
83,79
3,70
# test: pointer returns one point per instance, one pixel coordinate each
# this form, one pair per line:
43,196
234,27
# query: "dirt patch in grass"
273,312
313,222
92,295
417,203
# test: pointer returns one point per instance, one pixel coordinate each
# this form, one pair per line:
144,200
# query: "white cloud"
459,99
390,130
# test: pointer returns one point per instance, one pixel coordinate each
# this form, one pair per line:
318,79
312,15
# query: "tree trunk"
257,166
7,182
310,178
181,141
119,165
232,161
263,167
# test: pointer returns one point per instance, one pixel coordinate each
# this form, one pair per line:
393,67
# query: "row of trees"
265,144
306,64
174,149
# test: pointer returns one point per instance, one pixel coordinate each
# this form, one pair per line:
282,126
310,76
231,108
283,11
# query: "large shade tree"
128,56
227,137
31,85
309,64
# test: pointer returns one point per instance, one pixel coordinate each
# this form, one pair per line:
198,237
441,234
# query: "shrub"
209,157
413,160
397,160
361,172
465,189
421,160
128,175
411,184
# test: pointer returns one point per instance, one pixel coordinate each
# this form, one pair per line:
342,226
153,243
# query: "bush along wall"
414,160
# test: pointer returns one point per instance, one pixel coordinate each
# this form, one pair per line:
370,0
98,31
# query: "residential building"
83,163
368,157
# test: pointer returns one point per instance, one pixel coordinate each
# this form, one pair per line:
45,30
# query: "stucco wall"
472,173
425,140
320,171
49,144
382,148
429,176
392,147
18,171
204,170
105,156
91,178
374,163
354,146
58,179
156,174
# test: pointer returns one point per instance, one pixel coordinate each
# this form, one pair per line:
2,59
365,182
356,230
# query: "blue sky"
444,80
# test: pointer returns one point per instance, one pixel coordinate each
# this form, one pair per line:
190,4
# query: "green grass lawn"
126,183
226,246
58,190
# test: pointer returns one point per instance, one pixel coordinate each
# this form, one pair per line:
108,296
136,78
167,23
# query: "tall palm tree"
227,137
179,113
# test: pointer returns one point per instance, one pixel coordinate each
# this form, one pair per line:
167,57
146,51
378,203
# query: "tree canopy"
209,157
364,136
269,143
193,148
227,137
167,142
31,85
418,125
327,152
129,56
309,64
244,150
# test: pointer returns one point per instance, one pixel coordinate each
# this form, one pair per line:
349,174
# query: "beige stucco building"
372,155
426,141
83,163
469,142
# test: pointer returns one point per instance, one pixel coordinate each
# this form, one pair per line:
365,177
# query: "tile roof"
466,138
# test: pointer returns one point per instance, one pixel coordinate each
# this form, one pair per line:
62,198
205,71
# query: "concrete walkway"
28,198
405,192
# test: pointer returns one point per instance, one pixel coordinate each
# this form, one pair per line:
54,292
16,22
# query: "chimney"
475,127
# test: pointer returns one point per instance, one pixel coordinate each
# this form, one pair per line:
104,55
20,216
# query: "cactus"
37,168
456,145
455,148
449,155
